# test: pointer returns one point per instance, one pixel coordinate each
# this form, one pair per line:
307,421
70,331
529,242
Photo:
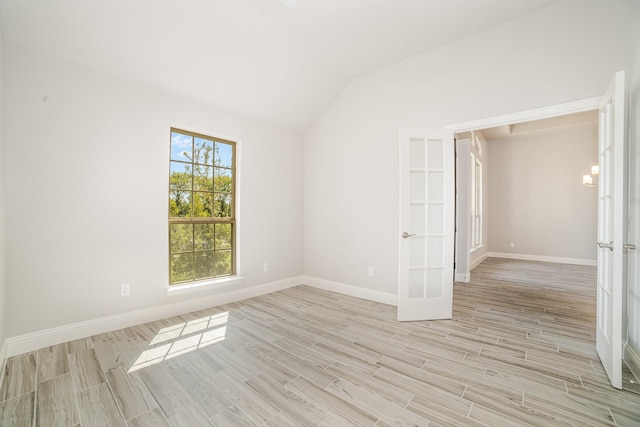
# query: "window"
201,207
476,202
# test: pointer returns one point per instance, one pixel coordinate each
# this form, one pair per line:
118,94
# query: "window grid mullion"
227,170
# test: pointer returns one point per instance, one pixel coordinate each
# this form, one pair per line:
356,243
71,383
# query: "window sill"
204,285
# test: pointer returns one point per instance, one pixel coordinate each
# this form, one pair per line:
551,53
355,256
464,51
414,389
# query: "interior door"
611,229
426,235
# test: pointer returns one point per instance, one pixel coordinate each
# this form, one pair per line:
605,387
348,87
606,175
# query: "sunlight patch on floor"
183,338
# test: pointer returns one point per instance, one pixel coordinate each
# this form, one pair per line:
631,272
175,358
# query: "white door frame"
462,260
589,104
580,106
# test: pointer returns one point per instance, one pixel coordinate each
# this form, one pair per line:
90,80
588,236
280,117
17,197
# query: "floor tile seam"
148,412
324,406
113,394
54,378
615,422
76,406
557,349
495,309
2,379
475,383
35,390
561,368
20,396
141,381
76,401
453,340
355,404
101,370
492,411
568,327
562,355
106,381
238,409
371,376
483,352
535,373
562,388
565,411
506,400
6,378
348,356
266,422
613,404
521,409
13,397
413,396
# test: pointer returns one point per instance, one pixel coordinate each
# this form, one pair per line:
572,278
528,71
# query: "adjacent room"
250,212
521,193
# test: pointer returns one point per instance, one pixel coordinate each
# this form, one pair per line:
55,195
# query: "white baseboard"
477,262
3,360
526,257
351,290
463,278
632,359
41,339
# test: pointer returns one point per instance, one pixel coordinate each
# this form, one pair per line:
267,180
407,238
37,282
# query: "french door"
611,263
426,235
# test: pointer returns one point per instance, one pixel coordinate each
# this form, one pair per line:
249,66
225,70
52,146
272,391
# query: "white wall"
633,301
537,199
86,192
3,322
568,51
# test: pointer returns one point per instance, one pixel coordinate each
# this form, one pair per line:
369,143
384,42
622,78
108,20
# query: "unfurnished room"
319,213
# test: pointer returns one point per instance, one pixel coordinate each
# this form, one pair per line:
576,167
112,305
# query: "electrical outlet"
371,271
512,245
125,290
265,267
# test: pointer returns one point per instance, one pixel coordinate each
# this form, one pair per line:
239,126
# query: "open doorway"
611,216
520,191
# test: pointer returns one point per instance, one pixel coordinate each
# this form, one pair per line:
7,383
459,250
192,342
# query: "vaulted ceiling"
254,58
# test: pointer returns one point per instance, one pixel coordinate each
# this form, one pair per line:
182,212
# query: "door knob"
407,235
629,246
603,245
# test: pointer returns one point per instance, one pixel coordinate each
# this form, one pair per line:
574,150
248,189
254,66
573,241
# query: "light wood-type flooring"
519,351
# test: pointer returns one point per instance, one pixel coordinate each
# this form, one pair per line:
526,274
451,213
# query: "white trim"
351,290
3,360
477,248
466,278
459,277
204,285
41,339
632,359
527,257
477,262
527,116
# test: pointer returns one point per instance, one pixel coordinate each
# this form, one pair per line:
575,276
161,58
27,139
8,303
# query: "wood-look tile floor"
519,351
